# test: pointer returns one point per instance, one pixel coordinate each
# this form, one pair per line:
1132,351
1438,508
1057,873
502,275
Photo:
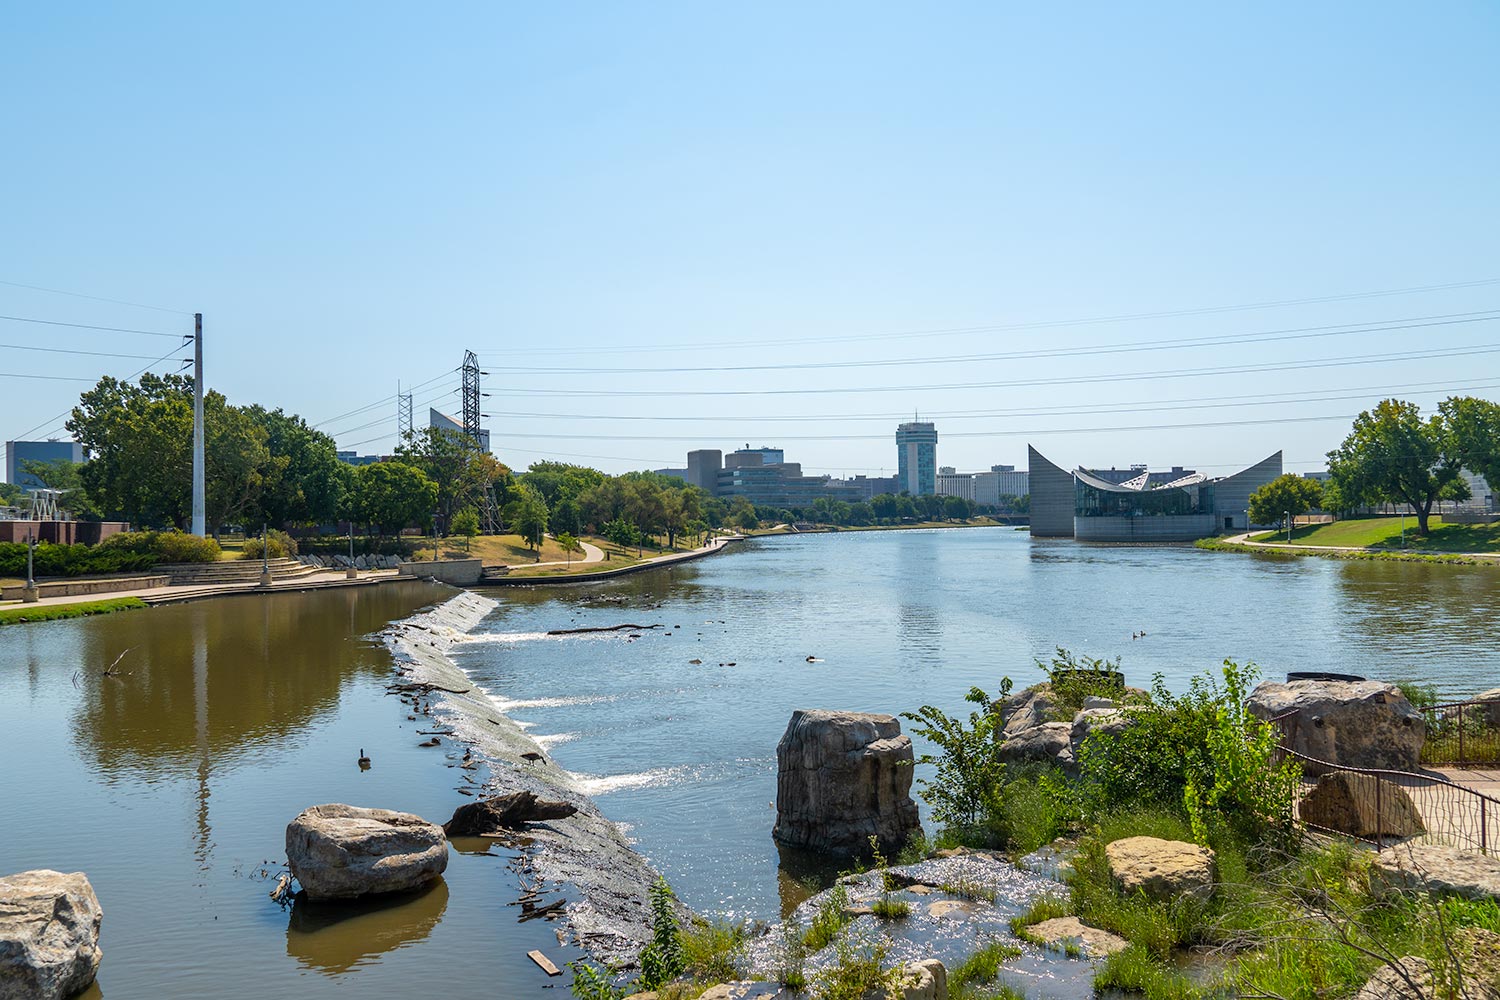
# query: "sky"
1177,234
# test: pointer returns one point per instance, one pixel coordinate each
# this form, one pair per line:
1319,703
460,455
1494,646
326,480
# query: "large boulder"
1439,868
924,980
504,812
843,777
1346,723
340,851
49,935
1163,869
1059,932
1038,744
1361,805
1025,709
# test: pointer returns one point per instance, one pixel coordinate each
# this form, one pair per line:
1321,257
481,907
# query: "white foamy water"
549,740
596,785
504,637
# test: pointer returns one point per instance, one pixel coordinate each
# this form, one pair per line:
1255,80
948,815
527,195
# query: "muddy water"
171,785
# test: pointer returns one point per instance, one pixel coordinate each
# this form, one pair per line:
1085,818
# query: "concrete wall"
61,532
1169,528
75,588
459,572
1232,494
1051,497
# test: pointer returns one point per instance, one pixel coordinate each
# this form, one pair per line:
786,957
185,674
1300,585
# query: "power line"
1356,392
955,434
1297,333
1036,325
97,298
66,350
1015,383
90,326
380,402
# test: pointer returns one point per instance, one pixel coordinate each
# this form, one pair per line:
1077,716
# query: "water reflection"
334,937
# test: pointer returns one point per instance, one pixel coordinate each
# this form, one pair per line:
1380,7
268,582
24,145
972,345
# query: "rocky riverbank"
604,880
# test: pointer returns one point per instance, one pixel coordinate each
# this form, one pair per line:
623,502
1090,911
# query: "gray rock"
504,812
1026,709
49,935
1347,723
1092,702
1491,712
1347,802
339,851
924,980
1039,744
843,777
1162,869
1059,931
1409,979
1439,868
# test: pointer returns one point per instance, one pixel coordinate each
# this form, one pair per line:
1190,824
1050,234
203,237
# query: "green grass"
891,908
982,967
713,950
829,920
1137,970
1385,533
1042,908
57,612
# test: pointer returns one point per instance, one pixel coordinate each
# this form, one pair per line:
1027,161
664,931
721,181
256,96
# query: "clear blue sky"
354,194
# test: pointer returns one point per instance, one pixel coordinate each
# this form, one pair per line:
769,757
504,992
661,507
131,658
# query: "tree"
621,532
1286,494
527,514
11,495
305,481
884,507
742,514
466,523
236,462
140,438
464,473
568,544
390,496
1393,455
957,508
565,517
1474,425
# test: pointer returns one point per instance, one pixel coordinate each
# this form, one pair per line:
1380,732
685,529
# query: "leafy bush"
969,768
662,959
856,972
831,917
1074,678
712,951
164,546
280,544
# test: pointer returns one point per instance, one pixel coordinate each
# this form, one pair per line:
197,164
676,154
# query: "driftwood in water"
504,812
602,628
422,687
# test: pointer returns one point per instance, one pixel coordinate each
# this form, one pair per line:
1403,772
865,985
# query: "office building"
952,483
748,456
1090,506
355,458
916,458
18,453
703,468
984,488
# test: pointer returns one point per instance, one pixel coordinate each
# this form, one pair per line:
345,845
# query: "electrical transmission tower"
403,415
490,514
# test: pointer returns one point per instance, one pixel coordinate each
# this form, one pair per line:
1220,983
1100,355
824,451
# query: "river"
684,754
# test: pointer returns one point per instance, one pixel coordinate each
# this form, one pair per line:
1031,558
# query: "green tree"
565,517
1393,455
11,495
1474,425
568,544
621,532
237,462
61,474
957,508
140,438
466,523
390,496
742,514
304,481
1286,494
527,515
884,507
464,473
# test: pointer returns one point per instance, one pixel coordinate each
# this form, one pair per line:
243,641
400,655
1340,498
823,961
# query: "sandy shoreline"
607,913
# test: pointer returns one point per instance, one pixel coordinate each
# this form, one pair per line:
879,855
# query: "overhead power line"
1127,406
1014,383
1297,333
1000,327
97,298
66,350
381,401
90,326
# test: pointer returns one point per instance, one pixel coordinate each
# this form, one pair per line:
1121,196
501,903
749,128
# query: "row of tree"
1394,455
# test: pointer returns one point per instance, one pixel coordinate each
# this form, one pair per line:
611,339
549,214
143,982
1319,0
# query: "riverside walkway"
1244,539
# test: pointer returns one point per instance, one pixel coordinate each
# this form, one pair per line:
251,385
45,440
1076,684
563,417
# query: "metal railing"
1462,733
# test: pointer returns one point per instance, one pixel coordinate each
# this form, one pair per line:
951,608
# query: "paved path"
167,595
591,554
1244,539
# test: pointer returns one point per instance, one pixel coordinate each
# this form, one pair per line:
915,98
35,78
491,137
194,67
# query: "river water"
171,785
683,754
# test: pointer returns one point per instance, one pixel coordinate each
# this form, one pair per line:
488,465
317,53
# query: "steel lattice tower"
403,415
471,396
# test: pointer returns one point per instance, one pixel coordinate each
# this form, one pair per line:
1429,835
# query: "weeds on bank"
967,888
982,967
1042,908
832,917
857,969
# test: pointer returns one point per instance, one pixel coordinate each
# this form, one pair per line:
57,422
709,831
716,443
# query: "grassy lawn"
1385,533
616,558
45,613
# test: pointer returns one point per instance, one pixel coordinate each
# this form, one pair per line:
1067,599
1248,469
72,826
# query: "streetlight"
265,557
1288,516
351,573
29,593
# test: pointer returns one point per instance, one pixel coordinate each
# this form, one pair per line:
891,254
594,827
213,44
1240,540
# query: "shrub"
829,920
661,959
1074,678
969,767
982,966
856,973
164,546
280,544
711,951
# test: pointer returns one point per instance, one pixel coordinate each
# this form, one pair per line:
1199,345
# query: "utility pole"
403,415
200,525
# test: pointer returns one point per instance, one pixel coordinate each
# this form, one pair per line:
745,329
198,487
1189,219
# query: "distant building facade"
703,468
441,421
952,483
1104,506
916,458
355,458
18,453
984,488
865,488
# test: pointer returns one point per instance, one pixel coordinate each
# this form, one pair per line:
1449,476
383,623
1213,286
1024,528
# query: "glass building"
916,458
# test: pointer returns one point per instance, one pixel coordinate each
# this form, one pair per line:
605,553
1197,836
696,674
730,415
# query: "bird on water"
364,762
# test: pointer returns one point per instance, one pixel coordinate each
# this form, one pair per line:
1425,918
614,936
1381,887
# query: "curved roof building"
1080,504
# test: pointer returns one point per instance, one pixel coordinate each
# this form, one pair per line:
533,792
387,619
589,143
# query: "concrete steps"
237,571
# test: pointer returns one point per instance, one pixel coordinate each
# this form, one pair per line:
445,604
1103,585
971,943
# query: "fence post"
1462,759
1379,815
1484,847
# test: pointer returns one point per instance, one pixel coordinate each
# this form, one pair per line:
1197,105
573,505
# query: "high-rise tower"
916,458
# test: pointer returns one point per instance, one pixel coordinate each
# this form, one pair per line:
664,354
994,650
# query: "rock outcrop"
1026,709
1439,868
340,852
1162,869
1038,744
504,812
1348,723
1059,932
842,778
1492,711
49,935
925,980
1361,805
